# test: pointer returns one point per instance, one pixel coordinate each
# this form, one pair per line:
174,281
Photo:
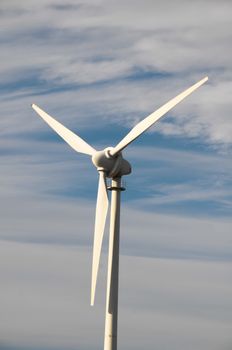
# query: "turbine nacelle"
113,166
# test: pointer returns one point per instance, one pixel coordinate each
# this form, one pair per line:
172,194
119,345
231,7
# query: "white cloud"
99,41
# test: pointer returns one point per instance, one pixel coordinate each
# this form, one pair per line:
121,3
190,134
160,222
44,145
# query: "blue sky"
99,67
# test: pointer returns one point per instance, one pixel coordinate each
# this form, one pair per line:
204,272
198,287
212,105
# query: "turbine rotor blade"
152,118
77,143
100,220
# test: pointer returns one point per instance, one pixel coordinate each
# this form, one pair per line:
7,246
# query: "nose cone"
112,166
101,161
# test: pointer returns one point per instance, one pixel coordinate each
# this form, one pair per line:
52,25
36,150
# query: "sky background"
99,67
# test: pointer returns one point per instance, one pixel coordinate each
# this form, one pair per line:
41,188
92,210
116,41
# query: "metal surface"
74,141
152,118
100,220
111,319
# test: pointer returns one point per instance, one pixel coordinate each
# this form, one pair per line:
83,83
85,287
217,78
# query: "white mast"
111,319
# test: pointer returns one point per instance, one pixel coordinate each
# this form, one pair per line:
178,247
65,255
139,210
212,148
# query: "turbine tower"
110,164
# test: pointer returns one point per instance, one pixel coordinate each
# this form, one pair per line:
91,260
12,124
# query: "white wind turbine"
110,163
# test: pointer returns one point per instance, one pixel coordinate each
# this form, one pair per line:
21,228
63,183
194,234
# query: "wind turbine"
110,164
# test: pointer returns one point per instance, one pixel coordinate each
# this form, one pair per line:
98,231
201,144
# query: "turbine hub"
112,166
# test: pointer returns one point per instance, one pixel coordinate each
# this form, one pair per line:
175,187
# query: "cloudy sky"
99,67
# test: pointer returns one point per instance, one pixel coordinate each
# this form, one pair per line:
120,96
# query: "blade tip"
205,79
92,301
92,295
33,105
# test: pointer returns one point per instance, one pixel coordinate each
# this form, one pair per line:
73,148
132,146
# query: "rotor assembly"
110,163
113,166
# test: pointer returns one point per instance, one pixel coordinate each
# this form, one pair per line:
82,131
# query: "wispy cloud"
100,42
